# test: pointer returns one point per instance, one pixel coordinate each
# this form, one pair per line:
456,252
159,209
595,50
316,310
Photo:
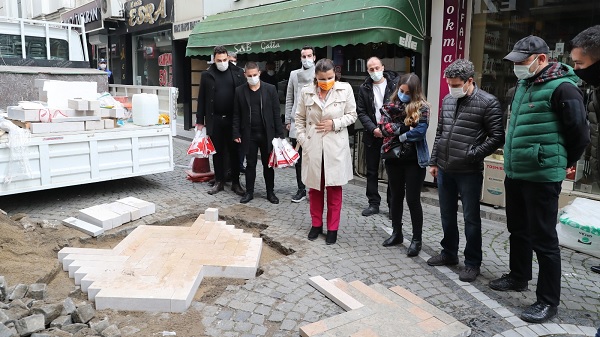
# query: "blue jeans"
468,186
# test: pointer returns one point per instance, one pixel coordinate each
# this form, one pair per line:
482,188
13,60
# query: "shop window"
498,25
154,59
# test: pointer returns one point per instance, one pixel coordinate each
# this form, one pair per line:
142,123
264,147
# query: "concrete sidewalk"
280,301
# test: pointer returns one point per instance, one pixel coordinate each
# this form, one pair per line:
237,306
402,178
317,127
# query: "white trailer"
75,158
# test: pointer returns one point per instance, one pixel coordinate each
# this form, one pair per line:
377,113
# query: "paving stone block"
330,323
130,213
84,226
100,216
145,207
41,334
3,317
111,331
68,306
49,311
60,321
18,292
37,291
74,328
6,332
83,314
334,293
16,313
2,288
30,324
100,325
211,214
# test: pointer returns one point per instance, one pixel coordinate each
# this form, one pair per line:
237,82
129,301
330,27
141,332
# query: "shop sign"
407,42
143,14
165,73
453,38
88,14
492,6
247,47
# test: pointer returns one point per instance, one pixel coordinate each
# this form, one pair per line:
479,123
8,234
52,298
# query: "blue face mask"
403,97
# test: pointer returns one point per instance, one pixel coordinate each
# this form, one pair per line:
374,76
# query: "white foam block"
119,207
24,115
101,216
62,119
57,127
94,105
109,123
145,207
83,226
94,125
78,104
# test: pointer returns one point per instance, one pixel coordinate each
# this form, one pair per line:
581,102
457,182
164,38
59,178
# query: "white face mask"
376,75
522,71
308,63
222,66
234,63
270,72
458,92
253,80
103,66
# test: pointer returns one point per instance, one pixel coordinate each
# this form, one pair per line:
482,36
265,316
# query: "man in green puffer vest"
548,132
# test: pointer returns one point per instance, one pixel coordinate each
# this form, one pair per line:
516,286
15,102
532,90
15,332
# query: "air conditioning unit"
111,9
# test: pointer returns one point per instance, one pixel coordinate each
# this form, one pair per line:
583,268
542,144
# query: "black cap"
526,47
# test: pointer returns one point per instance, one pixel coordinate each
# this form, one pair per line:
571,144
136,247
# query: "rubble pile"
24,311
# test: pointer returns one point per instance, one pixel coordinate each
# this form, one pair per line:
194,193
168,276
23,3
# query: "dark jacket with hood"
206,94
365,104
469,129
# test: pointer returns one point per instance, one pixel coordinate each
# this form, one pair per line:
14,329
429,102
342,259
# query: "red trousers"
334,205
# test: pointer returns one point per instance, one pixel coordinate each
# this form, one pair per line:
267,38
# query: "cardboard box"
492,189
57,127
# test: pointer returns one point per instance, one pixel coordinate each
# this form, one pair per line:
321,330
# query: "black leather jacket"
469,129
365,103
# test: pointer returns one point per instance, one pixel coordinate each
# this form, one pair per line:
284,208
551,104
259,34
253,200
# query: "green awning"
291,24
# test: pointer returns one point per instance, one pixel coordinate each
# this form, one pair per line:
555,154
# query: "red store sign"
453,38
165,75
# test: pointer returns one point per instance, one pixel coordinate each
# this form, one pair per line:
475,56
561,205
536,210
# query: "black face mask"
591,74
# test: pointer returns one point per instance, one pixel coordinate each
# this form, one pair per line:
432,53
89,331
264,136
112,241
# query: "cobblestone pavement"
280,300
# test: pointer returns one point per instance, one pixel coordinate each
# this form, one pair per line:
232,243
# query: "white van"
42,43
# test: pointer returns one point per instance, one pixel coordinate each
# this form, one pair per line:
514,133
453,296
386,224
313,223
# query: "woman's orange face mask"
325,80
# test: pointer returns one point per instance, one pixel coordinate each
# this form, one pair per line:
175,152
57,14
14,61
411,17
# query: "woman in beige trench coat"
324,112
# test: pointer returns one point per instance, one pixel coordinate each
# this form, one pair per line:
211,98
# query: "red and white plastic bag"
283,154
202,146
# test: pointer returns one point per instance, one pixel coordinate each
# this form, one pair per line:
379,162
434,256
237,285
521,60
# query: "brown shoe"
237,189
218,187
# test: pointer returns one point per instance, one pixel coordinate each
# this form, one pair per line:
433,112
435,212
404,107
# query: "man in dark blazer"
256,121
215,106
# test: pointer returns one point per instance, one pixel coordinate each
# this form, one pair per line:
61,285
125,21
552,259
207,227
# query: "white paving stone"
83,226
159,268
145,207
101,216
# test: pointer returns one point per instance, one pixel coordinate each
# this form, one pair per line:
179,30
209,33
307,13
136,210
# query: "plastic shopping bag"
277,157
202,146
290,153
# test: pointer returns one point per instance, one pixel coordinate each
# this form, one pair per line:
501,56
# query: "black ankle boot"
395,238
331,237
315,232
414,248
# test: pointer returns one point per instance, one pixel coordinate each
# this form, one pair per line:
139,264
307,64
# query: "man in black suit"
256,122
215,106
